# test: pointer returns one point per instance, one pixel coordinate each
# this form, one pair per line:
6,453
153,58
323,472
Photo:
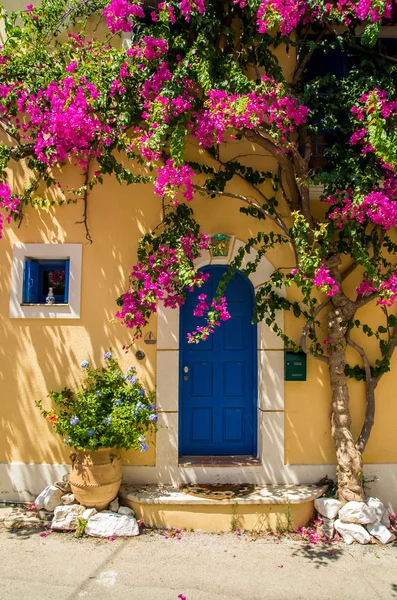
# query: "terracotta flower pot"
95,477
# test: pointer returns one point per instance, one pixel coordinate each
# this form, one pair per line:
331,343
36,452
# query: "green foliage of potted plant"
109,412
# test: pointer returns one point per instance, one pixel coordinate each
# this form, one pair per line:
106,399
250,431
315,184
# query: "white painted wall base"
20,481
24,482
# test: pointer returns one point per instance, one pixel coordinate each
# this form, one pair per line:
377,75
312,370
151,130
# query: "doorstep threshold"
241,460
284,494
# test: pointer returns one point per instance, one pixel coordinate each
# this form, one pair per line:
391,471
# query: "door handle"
186,369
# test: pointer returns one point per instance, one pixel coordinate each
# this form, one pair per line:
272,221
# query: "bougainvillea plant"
207,72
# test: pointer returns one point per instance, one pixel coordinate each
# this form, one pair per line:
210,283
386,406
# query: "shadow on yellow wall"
41,355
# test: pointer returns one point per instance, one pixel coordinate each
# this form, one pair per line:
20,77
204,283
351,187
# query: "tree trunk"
369,416
349,459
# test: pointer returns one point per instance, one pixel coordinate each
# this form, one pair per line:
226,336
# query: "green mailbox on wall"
294,366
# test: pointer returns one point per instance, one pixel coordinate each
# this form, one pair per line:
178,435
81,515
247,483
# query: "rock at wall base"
357,512
66,517
327,528
49,498
68,499
110,524
114,505
88,513
380,509
381,533
126,510
328,507
352,532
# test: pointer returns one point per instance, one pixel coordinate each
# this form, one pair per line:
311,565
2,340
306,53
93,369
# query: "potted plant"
109,412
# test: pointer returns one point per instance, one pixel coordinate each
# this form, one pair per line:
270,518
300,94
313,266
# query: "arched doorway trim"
270,377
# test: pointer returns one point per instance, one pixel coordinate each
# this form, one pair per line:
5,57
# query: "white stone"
114,505
66,517
68,499
110,524
64,485
327,528
126,510
357,512
327,507
352,532
380,532
88,513
49,498
380,509
385,520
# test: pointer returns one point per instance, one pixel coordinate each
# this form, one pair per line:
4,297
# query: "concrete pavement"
199,566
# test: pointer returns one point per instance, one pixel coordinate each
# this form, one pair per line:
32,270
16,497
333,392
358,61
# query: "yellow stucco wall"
39,355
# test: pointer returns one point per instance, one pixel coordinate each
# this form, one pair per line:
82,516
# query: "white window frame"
21,252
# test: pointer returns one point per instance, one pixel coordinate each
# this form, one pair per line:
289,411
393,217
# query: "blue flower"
107,421
67,441
85,364
153,418
132,369
131,379
144,447
99,393
142,439
117,402
74,420
107,355
139,406
141,392
90,432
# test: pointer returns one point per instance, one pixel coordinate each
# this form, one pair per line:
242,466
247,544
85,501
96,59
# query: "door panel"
218,391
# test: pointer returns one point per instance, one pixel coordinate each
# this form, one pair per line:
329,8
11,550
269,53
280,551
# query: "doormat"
217,491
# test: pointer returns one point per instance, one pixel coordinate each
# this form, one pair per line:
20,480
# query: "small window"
44,279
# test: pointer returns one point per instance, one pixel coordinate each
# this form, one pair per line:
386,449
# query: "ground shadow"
319,555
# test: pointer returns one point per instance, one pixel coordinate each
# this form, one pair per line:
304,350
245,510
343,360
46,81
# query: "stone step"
268,507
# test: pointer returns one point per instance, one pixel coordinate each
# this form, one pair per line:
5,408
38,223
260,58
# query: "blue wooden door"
218,376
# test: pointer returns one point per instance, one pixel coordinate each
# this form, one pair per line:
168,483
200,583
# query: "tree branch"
277,219
84,221
301,65
370,385
348,271
309,325
8,129
287,168
246,200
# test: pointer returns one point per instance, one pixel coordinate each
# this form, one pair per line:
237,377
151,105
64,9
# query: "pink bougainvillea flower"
43,534
111,538
182,597
281,566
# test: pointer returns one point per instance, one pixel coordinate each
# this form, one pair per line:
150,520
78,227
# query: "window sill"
43,304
